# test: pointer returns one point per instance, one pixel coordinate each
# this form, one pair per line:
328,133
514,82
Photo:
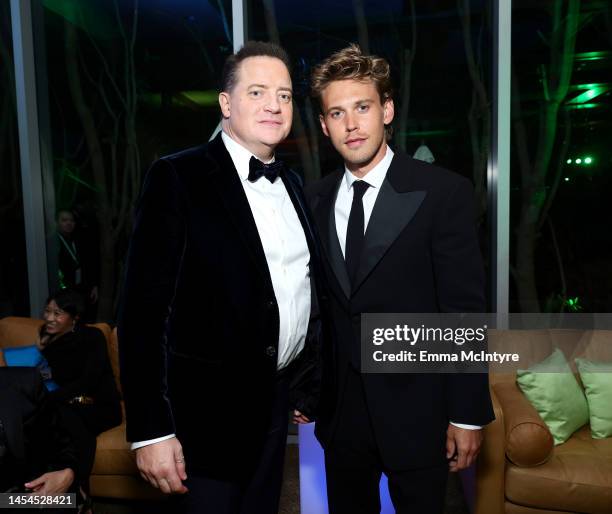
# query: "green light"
569,161
206,98
592,56
590,105
589,94
588,160
578,161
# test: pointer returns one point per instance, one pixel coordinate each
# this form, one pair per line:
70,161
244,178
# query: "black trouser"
84,441
261,494
353,466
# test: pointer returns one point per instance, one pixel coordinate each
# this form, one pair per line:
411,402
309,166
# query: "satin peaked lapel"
227,181
392,212
323,211
297,199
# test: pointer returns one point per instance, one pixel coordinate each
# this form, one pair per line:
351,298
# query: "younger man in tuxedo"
217,302
398,236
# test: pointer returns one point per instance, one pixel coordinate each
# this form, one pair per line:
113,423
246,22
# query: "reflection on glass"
560,154
128,82
13,271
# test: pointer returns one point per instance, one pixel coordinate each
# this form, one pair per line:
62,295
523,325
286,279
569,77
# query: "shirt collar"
375,176
240,155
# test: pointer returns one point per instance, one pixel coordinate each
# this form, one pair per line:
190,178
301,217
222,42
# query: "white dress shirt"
375,178
287,255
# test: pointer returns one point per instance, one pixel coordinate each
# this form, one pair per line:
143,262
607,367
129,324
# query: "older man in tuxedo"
218,315
398,236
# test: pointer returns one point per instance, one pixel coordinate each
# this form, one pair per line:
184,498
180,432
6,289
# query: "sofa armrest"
490,466
528,440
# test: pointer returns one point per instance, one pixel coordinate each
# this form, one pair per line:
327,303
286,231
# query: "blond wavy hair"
351,64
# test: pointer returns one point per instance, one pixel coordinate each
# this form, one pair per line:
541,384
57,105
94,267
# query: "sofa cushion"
553,390
528,440
577,477
15,331
597,380
113,454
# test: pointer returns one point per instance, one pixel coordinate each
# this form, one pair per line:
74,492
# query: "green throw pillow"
597,380
553,390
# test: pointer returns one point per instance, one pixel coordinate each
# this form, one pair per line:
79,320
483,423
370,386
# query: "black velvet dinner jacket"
420,254
199,323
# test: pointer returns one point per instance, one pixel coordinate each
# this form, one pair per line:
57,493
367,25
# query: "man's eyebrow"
355,103
263,86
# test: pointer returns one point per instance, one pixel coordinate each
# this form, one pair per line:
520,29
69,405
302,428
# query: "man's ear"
388,111
224,103
323,125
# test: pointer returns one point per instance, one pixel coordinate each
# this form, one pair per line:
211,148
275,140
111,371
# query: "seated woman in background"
78,360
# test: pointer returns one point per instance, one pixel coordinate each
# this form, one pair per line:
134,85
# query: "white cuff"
467,427
140,444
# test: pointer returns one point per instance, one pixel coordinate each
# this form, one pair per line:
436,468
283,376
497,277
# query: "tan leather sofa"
114,472
519,470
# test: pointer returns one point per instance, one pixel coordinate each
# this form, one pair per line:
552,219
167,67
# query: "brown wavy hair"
351,64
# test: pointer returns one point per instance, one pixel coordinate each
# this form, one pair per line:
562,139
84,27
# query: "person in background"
77,262
87,396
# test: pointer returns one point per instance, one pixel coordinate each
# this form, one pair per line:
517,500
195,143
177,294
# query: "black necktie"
258,169
355,229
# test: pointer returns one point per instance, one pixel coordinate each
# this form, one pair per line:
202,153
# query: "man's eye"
255,93
335,114
363,108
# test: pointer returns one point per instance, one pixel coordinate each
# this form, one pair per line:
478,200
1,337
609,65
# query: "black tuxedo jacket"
420,255
199,323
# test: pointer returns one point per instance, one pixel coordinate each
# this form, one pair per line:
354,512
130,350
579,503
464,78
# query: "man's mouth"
355,142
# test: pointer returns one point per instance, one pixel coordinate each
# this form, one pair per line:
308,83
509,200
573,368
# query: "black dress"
80,367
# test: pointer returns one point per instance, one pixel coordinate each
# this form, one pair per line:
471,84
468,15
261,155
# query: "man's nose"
273,104
351,122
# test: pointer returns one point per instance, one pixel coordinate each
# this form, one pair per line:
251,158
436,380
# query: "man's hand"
299,418
163,465
463,445
54,482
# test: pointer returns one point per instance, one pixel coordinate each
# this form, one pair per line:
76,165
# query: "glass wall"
128,82
561,157
440,54
14,299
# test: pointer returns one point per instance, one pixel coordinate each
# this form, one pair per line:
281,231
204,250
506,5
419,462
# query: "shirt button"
271,351
271,304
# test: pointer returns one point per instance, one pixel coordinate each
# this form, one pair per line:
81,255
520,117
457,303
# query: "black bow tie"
258,169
